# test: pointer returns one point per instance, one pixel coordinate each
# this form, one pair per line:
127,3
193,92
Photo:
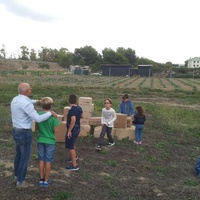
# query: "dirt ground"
161,168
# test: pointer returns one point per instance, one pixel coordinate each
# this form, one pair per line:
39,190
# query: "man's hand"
54,113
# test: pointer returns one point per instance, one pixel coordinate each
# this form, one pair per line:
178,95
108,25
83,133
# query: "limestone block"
85,129
97,131
121,133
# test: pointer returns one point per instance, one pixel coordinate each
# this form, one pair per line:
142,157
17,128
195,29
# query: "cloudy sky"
160,30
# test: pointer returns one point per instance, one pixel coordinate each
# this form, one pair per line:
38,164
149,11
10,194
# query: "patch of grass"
192,183
152,158
34,156
2,165
63,196
113,192
193,155
141,150
160,169
103,152
112,163
160,145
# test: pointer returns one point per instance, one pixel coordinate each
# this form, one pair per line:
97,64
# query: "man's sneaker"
98,148
111,144
72,168
41,182
69,159
23,184
47,183
135,142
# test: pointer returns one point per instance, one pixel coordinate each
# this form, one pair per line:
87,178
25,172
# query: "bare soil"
161,168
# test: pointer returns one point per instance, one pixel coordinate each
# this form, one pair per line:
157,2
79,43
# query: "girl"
139,119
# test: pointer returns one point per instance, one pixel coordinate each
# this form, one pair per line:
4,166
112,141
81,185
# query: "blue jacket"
126,108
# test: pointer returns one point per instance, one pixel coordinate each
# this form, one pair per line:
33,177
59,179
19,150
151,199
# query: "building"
80,70
116,69
145,70
126,70
193,62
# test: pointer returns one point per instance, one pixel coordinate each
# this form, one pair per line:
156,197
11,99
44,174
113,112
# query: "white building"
193,62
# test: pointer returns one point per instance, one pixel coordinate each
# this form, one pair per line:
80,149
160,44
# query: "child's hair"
46,103
72,99
140,110
108,99
125,96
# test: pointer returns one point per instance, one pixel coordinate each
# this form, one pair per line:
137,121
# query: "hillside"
10,65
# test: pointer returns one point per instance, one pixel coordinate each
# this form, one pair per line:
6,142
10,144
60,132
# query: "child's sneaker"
139,142
41,182
47,183
111,144
98,148
135,142
69,159
72,168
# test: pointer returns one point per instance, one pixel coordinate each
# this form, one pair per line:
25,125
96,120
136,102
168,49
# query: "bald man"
23,113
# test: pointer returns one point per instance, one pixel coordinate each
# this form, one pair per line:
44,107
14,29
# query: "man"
126,106
23,113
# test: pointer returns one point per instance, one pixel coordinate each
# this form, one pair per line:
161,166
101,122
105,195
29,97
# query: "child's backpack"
197,168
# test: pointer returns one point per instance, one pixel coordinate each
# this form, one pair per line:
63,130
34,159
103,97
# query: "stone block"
85,130
121,133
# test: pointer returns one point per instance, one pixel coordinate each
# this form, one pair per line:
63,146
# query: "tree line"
87,56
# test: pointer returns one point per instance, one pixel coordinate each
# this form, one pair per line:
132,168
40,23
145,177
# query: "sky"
160,30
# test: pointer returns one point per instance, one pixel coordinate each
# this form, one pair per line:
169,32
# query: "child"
107,122
73,129
126,106
139,119
46,142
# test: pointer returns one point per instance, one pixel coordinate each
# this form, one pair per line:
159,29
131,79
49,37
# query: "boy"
46,142
73,129
107,122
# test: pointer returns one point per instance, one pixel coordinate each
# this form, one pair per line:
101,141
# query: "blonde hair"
46,103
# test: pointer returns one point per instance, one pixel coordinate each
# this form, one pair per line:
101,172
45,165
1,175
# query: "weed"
193,155
191,183
112,163
34,156
152,159
141,150
160,145
113,192
2,165
160,169
63,196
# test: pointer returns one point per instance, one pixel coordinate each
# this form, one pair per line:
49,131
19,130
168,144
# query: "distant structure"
145,70
116,69
126,70
80,70
193,62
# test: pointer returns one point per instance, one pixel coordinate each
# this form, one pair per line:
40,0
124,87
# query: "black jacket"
139,119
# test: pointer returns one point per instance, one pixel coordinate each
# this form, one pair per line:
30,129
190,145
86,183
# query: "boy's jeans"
23,140
138,132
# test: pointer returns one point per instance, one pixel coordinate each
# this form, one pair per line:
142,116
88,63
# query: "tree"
24,53
65,58
33,55
3,52
129,54
112,57
47,55
85,56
